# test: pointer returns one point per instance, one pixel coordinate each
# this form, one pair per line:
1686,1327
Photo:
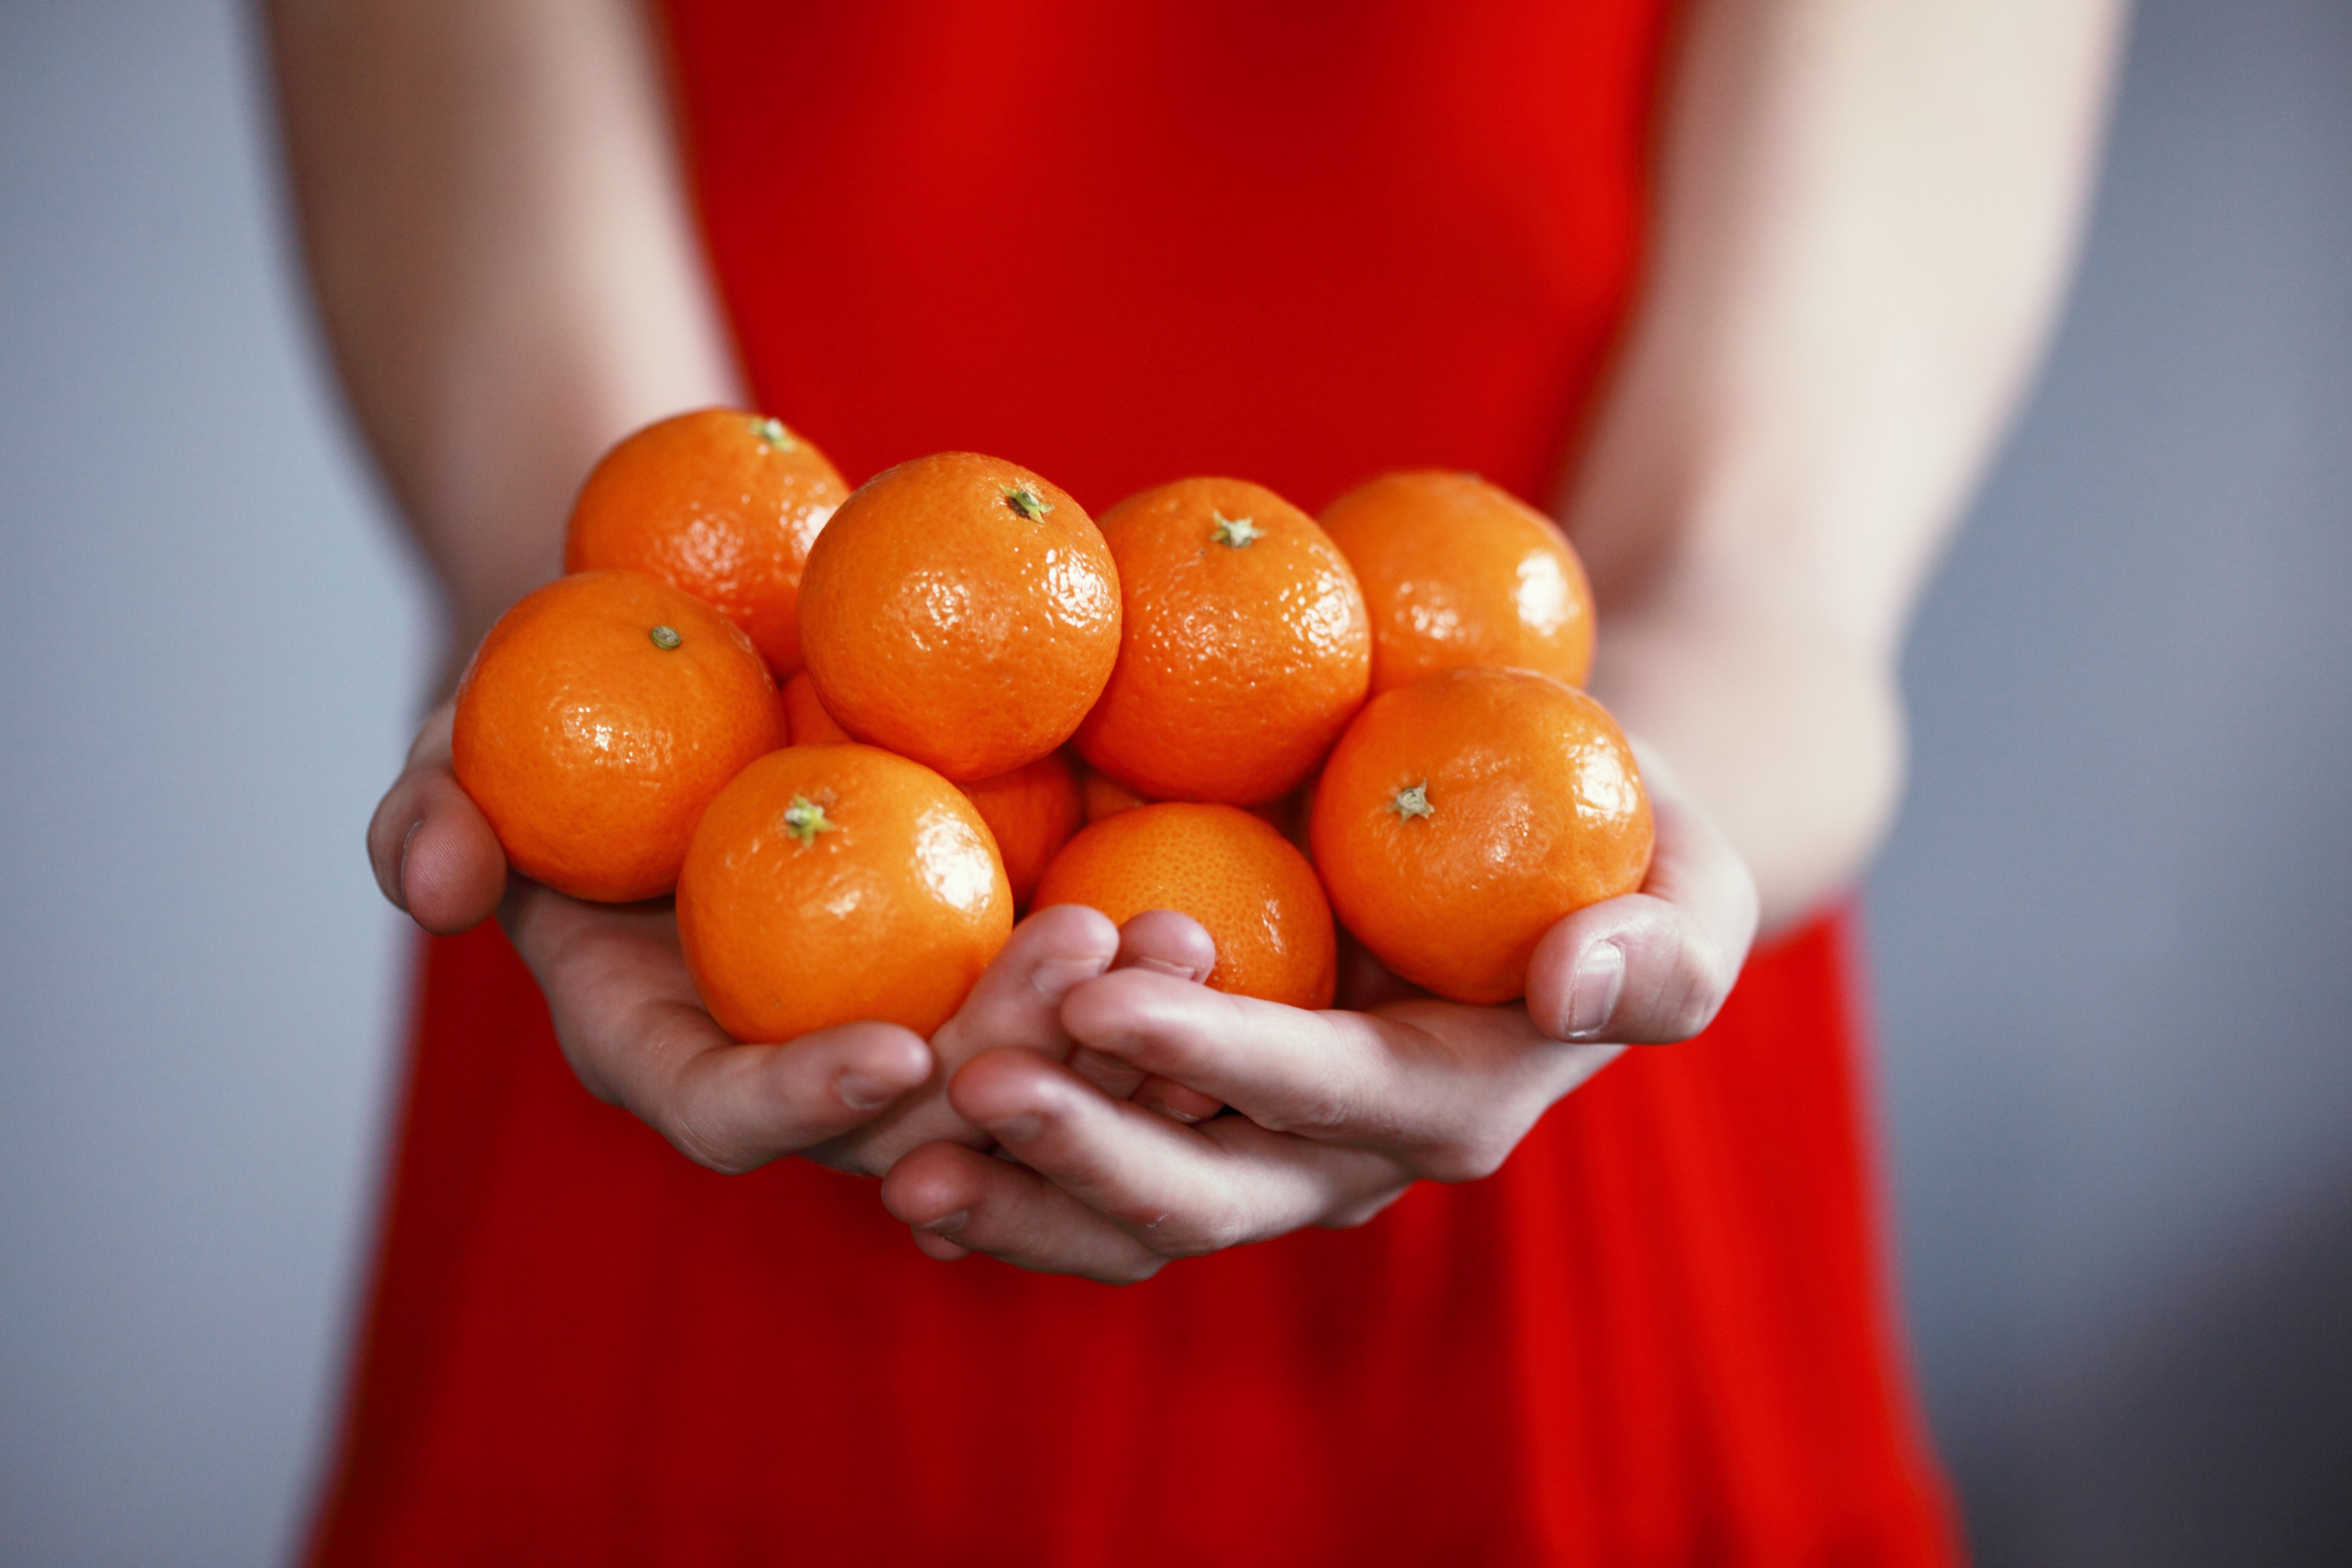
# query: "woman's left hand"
1340,1111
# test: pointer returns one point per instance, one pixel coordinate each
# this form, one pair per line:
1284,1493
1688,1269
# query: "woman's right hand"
626,1014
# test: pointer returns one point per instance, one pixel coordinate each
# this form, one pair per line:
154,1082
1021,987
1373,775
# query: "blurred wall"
207,647
2111,927
2114,926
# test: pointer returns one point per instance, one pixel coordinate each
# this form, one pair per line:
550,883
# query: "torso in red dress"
1121,244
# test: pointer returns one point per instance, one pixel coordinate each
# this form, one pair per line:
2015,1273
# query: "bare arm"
509,283
501,256
1866,216
1867,211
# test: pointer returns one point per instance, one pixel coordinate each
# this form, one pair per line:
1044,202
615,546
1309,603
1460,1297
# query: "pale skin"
1865,214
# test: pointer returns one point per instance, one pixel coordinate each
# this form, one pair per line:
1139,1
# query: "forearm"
1864,220
1791,740
503,261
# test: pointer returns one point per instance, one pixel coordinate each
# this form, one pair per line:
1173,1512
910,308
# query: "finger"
1016,1002
1451,1088
956,1201
1176,1189
1165,943
433,851
631,1026
1658,965
1168,1097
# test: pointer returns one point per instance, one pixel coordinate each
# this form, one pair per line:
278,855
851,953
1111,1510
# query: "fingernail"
1592,993
860,1092
399,872
1016,1129
1181,971
952,1223
1053,978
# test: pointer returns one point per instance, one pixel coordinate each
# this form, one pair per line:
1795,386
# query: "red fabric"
1121,243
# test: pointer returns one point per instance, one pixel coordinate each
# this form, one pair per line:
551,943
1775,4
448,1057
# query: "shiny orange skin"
1456,571
721,502
1255,894
1239,663
941,619
890,911
1532,807
1107,796
1032,811
592,749
804,712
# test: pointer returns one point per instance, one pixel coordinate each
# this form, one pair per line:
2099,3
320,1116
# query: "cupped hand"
1339,1111
634,1030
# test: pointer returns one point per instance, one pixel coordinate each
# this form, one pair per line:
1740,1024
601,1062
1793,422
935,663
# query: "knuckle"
1702,979
1131,1271
709,1152
705,1140
1471,1157
1351,1216
1213,1231
1320,1112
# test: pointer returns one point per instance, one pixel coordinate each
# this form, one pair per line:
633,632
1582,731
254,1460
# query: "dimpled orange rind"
723,502
1457,571
1255,895
828,884
1462,815
1244,651
592,748
963,611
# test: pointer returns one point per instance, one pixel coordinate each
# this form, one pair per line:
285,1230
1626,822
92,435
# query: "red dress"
1122,243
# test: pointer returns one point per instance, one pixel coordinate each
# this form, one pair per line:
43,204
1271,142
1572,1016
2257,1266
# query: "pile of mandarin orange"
1205,702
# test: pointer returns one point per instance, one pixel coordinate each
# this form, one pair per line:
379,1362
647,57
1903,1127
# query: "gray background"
2112,928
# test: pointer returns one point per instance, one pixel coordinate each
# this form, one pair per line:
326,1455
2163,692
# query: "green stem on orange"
664,637
773,432
1023,498
1413,802
1236,531
804,819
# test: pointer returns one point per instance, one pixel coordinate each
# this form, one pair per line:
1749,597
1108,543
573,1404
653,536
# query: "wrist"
1789,736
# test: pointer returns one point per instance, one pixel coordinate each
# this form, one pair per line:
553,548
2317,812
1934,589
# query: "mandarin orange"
804,712
1456,571
832,883
1460,817
723,503
1254,893
598,717
962,611
1245,649
1032,811
1106,796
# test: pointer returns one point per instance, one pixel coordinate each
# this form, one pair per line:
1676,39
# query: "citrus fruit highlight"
1254,893
1456,570
962,611
1244,648
1462,815
721,502
598,717
828,884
